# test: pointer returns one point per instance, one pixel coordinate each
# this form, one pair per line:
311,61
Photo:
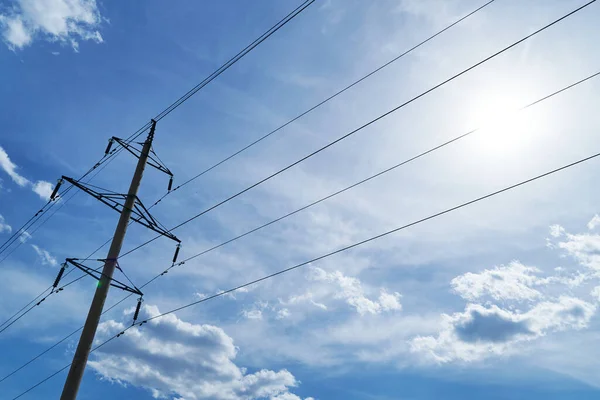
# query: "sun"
502,123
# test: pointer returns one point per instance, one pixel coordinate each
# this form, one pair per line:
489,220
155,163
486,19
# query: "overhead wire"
371,122
17,315
215,74
371,177
329,254
585,5
331,97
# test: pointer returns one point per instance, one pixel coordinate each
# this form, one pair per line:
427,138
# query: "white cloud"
252,314
351,291
43,189
24,236
594,222
45,257
505,282
4,227
171,357
283,313
481,331
556,230
390,301
232,295
585,248
596,293
11,169
15,32
307,297
64,21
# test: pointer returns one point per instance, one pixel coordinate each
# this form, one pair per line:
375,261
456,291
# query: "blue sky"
497,300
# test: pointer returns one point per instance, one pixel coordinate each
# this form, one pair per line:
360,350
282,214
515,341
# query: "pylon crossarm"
153,159
96,274
116,201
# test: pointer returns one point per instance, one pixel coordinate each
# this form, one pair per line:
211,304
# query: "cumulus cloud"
594,222
482,331
45,257
43,189
585,248
174,358
350,290
506,282
556,230
63,21
4,227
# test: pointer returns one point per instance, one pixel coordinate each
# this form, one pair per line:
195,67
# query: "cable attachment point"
55,191
176,252
170,184
109,146
59,276
137,310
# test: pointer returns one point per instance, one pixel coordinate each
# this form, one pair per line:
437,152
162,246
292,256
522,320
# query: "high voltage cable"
50,204
321,257
514,44
321,103
11,320
16,247
367,124
235,59
364,125
453,140
223,68
326,100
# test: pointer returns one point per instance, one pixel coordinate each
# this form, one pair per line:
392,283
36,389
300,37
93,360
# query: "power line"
453,77
235,59
211,77
453,140
13,318
340,250
50,204
326,100
529,36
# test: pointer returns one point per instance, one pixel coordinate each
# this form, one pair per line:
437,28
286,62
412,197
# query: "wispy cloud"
4,227
24,236
64,21
45,257
41,188
11,169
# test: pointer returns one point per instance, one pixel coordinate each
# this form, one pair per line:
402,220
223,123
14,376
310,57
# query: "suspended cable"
340,250
325,101
174,264
382,116
234,59
223,68
17,315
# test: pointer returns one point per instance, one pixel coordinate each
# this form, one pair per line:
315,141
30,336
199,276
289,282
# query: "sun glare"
503,126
